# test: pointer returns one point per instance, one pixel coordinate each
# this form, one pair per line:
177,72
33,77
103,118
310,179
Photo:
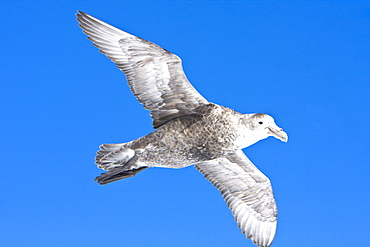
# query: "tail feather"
113,155
119,160
106,149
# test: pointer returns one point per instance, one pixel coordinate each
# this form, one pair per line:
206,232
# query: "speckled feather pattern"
197,137
189,130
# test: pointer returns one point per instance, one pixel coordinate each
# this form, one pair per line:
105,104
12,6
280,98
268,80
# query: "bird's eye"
260,122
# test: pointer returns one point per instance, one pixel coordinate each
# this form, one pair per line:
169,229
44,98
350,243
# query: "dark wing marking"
154,75
117,173
247,192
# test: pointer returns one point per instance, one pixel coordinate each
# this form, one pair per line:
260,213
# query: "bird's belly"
178,146
178,156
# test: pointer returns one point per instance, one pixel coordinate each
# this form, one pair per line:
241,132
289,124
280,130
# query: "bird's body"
189,130
210,133
189,139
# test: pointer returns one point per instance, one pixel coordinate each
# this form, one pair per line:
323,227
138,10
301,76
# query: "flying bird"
189,130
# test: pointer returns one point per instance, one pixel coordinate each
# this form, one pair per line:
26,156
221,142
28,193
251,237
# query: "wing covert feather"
155,75
247,192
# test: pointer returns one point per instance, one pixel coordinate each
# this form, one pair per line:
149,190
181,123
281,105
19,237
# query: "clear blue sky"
305,63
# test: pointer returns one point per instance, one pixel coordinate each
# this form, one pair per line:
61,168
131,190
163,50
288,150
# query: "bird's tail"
118,160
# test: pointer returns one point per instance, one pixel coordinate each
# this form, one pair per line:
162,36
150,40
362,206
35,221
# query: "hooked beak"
278,133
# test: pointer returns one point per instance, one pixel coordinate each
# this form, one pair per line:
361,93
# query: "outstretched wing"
247,192
154,75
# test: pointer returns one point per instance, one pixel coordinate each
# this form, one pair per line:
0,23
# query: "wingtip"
80,13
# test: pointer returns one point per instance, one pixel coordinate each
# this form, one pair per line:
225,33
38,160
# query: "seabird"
189,130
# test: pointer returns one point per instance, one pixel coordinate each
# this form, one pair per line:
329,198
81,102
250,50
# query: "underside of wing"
155,76
247,192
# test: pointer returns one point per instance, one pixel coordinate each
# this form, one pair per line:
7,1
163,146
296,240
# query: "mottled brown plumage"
189,130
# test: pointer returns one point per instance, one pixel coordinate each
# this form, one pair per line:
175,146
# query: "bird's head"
265,126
